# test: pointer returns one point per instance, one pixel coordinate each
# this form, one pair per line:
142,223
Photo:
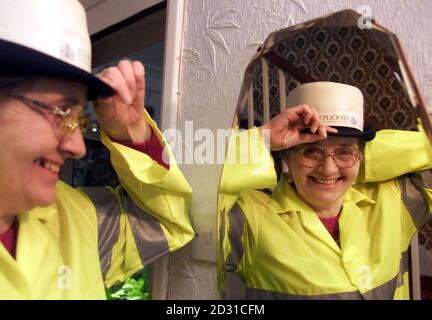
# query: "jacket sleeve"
416,194
248,166
407,157
248,163
394,153
144,218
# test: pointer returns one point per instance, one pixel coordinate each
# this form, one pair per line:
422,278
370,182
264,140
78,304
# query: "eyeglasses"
70,117
312,156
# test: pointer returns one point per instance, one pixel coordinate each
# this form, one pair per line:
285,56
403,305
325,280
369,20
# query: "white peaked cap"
57,28
47,38
337,104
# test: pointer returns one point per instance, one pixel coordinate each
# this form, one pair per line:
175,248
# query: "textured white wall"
220,39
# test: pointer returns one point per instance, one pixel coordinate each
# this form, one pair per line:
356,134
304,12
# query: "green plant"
131,289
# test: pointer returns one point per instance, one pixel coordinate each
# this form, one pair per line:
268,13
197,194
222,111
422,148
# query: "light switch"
204,245
207,235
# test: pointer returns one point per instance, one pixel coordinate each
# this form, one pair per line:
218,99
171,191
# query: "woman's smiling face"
32,152
323,186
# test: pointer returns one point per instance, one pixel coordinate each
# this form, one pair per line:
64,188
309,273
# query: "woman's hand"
122,116
285,129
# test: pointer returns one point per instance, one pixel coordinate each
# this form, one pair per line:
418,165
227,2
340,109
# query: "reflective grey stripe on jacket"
235,234
147,232
385,291
108,218
234,287
413,195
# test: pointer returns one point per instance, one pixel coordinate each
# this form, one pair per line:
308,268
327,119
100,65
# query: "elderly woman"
339,223
57,242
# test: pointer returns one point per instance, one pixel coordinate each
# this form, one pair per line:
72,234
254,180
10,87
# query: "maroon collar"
9,238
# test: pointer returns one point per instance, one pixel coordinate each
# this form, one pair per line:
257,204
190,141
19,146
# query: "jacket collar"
44,214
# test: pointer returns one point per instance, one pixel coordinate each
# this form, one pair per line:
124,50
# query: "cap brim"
19,60
367,135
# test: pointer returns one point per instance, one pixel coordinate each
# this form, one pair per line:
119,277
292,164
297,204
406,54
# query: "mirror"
331,48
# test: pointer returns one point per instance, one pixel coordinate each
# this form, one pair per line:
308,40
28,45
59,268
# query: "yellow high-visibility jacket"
95,236
279,248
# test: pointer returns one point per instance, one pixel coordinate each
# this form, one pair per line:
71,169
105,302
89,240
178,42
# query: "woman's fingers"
316,123
114,77
311,120
139,72
322,131
307,114
128,75
331,129
287,127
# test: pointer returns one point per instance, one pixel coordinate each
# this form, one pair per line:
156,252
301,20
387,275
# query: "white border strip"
169,113
172,62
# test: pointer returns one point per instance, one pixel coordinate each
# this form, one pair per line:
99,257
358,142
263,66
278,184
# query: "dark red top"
332,226
152,147
9,238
